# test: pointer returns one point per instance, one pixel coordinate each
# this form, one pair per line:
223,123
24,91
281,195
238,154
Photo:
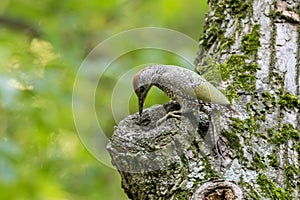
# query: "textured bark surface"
255,44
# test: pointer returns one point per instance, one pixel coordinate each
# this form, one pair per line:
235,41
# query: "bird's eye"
142,88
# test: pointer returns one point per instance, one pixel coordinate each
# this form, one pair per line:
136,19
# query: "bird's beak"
141,104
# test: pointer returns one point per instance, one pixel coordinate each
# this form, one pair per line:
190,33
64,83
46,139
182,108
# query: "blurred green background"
42,44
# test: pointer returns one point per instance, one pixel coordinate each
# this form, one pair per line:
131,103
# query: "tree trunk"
256,44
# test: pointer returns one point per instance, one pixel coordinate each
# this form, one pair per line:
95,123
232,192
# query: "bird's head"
141,85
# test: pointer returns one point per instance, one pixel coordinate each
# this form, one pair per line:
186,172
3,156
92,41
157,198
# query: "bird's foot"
174,114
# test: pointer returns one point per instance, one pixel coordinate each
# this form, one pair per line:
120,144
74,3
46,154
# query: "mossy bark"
260,65
256,45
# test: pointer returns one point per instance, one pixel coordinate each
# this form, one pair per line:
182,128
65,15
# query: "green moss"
228,68
281,98
226,42
289,100
250,41
253,194
268,100
233,140
251,124
258,162
212,33
290,174
209,172
183,195
243,72
273,160
271,190
284,133
236,8
213,30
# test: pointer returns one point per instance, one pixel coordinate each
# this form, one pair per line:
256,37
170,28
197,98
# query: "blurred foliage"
41,156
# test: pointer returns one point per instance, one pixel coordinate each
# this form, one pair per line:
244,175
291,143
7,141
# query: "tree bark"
255,44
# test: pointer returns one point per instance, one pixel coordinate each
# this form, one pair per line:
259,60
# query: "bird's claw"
174,114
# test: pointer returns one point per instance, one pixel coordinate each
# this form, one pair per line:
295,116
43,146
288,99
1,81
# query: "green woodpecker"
180,84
